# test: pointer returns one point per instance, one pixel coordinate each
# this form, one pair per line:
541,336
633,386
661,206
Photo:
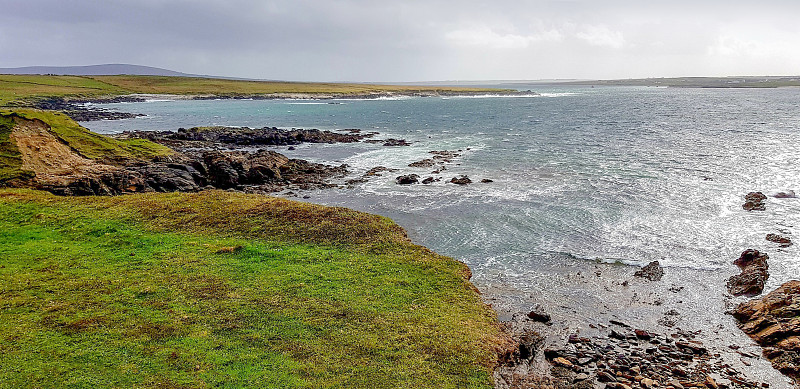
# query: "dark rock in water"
653,271
537,313
486,180
376,171
754,201
243,136
774,323
782,240
463,180
428,180
754,275
789,194
81,113
391,142
427,162
407,179
291,148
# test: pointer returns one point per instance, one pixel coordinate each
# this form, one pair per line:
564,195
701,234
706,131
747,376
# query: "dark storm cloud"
409,40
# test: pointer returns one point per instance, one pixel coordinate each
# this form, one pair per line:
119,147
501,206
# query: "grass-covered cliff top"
22,89
218,289
82,141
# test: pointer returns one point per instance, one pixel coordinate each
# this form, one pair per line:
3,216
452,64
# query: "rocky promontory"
774,323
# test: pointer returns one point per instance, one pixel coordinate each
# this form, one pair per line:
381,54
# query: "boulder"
537,313
754,274
407,179
652,271
462,180
754,201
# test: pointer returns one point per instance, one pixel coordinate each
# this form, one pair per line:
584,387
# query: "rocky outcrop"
83,113
774,323
754,275
57,168
244,136
427,162
652,271
754,201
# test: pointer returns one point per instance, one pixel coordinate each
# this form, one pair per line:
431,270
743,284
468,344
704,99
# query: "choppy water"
610,174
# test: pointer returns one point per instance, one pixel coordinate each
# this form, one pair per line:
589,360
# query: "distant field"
21,89
700,82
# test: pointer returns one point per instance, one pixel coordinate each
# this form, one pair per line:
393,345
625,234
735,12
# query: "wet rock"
462,180
486,181
754,201
407,179
754,274
652,271
376,171
789,194
781,240
428,180
537,313
427,162
774,322
391,142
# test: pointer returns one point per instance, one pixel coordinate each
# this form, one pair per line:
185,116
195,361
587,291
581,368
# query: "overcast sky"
396,40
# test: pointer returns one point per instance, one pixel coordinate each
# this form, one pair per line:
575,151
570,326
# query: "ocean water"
626,175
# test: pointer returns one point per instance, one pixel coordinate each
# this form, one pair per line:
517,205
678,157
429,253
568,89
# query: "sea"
588,184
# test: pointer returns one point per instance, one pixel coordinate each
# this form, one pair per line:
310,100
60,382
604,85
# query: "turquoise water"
625,175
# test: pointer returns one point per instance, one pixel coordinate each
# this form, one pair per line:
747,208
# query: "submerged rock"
754,201
754,275
781,240
652,271
774,322
789,194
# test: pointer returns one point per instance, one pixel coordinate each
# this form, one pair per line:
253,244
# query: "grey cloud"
408,40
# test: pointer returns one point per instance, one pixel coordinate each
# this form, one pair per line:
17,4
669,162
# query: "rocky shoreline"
79,110
552,351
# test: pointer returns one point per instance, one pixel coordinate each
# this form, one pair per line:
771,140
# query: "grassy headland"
82,141
217,289
24,89
220,289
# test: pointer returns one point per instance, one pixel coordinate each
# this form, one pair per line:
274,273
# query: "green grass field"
218,289
23,89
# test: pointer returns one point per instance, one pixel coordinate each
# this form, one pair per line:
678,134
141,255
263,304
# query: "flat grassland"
21,89
218,289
